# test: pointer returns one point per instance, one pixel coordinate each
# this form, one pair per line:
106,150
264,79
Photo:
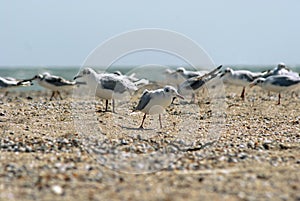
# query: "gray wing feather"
144,100
113,84
116,84
285,81
197,82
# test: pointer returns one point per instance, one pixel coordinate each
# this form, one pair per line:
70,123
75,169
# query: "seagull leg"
106,105
193,100
52,96
113,106
159,117
58,93
279,96
173,100
243,93
144,117
6,93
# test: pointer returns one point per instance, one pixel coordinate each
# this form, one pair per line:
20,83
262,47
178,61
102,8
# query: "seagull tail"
24,83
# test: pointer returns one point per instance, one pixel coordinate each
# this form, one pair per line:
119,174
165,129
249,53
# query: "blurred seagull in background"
281,69
7,83
193,84
138,82
240,78
107,86
54,83
277,83
154,102
180,75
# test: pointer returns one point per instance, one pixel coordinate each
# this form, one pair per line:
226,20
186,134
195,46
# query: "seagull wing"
247,77
113,83
24,83
197,82
285,81
3,84
58,81
144,100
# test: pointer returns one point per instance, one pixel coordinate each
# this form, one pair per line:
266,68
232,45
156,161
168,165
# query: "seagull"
180,75
138,82
107,86
195,83
154,102
240,78
54,83
9,82
277,83
281,69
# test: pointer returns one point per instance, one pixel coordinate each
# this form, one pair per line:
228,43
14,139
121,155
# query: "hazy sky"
64,32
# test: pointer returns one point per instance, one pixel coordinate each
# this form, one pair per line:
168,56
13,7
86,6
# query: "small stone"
58,190
251,144
232,160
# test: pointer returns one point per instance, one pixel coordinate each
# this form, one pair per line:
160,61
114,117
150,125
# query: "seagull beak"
77,76
251,85
179,96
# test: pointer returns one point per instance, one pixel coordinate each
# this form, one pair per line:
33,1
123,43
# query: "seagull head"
226,71
172,92
38,77
86,72
281,65
118,73
180,70
45,74
258,81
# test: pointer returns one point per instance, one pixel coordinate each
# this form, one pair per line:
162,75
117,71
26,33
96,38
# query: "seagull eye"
167,90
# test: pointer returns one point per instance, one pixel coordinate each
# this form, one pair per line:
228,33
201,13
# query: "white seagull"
154,102
107,86
277,83
195,83
138,82
54,83
180,75
239,78
281,69
9,82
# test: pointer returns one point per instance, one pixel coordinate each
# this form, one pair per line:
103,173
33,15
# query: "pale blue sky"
64,32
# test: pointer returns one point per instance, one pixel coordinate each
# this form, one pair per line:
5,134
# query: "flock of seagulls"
115,86
277,80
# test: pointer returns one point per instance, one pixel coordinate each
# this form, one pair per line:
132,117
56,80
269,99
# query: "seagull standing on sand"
239,78
9,82
54,83
154,102
107,86
277,83
195,83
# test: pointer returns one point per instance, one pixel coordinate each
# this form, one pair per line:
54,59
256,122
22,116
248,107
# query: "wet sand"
253,155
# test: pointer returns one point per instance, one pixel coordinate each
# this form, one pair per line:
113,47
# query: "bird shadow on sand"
137,129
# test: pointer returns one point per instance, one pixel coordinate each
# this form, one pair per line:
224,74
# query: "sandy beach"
254,154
